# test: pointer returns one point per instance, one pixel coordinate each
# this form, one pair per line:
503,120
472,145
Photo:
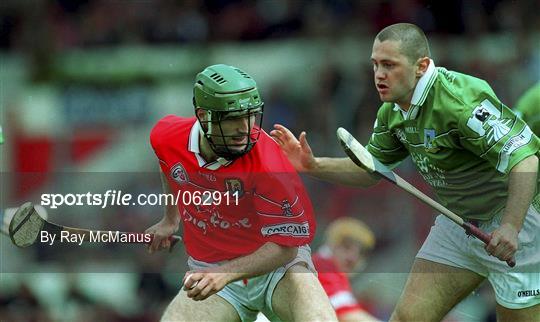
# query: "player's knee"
171,312
406,313
310,301
398,316
317,311
176,310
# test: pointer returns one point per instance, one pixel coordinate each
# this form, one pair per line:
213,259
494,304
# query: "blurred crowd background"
83,81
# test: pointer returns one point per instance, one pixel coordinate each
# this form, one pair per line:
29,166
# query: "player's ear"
422,65
201,113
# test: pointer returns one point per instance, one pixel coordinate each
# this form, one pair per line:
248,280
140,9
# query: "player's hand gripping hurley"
361,157
26,226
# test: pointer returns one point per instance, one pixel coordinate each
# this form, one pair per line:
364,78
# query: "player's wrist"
512,225
169,220
315,165
233,277
227,274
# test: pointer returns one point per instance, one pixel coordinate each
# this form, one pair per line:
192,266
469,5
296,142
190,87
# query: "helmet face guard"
229,96
227,145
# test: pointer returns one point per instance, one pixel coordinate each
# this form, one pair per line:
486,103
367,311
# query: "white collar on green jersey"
193,146
420,92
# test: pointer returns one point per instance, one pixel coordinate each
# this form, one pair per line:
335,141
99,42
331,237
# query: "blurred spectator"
528,108
347,244
98,22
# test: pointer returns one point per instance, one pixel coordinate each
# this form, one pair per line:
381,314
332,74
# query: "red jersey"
230,209
335,283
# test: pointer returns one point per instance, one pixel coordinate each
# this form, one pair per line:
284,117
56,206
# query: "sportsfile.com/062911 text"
118,198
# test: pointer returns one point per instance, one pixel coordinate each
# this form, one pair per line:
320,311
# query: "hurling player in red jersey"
246,217
345,249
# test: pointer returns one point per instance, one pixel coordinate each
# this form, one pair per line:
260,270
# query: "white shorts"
256,295
515,288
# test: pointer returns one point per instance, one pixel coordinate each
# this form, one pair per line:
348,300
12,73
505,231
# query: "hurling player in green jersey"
528,108
481,161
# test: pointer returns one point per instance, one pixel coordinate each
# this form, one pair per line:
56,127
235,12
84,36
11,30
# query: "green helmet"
227,92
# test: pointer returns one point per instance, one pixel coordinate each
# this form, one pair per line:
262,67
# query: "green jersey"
462,139
528,108
1,136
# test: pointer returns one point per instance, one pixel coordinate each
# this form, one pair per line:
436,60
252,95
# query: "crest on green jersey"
400,134
429,136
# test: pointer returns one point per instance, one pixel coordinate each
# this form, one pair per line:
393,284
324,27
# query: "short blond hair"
352,228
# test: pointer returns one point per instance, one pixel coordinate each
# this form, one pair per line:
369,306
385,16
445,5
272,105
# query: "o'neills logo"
179,174
287,229
529,293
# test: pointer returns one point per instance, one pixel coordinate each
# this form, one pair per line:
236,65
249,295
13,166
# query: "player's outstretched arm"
167,226
201,284
297,151
521,188
335,170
